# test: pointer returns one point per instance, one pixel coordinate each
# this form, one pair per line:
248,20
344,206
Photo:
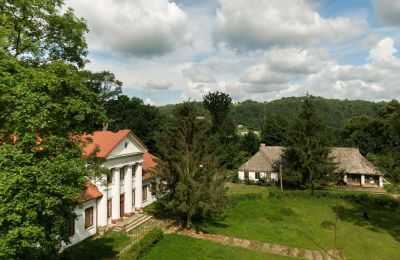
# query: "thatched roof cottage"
358,170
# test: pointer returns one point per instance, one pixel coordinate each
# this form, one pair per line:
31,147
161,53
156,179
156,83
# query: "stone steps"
141,220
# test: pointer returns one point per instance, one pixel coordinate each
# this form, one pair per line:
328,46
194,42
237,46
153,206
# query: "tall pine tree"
193,184
306,161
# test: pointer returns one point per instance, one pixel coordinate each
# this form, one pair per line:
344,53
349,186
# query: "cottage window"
257,176
71,227
88,217
109,208
144,195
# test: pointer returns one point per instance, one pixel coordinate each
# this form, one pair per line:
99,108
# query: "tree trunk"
188,221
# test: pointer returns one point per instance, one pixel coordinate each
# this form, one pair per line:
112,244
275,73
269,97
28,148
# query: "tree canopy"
40,31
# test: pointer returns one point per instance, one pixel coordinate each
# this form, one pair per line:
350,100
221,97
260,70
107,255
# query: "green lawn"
307,223
234,189
174,246
105,247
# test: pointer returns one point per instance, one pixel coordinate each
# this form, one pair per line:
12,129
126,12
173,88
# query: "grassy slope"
105,247
298,222
175,246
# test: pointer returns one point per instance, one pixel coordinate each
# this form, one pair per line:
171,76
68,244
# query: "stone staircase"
131,223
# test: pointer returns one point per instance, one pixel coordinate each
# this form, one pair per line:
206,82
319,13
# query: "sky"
167,51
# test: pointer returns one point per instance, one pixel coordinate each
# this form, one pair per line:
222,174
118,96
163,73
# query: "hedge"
144,245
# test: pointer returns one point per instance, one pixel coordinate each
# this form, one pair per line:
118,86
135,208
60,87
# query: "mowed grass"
105,247
234,189
308,223
174,246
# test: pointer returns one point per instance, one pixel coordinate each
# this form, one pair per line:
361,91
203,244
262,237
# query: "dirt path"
259,246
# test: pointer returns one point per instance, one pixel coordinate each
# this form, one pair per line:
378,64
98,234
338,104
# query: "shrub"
328,225
144,245
392,188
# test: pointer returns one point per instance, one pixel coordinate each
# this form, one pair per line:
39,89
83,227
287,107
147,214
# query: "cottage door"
122,205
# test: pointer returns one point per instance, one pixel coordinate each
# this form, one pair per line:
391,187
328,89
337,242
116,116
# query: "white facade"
82,232
121,191
255,176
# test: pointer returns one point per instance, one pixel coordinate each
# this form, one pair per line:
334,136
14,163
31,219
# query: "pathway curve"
259,246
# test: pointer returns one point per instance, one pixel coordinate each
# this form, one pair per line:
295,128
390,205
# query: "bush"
144,245
392,188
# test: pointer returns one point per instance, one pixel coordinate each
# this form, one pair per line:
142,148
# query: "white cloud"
199,73
156,85
388,11
259,24
138,28
282,66
384,51
375,80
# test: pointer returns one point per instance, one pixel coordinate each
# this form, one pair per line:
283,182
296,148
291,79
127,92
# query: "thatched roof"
349,160
258,163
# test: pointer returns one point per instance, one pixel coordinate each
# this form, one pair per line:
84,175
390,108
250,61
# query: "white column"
381,181
128,190
362,180
345,178
138,186
102,204
115,216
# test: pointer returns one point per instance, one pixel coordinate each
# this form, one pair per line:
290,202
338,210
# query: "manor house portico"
124,192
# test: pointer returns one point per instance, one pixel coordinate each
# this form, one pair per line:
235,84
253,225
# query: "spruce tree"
193,184
306,161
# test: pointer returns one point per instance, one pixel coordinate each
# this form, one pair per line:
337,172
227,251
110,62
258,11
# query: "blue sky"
167,51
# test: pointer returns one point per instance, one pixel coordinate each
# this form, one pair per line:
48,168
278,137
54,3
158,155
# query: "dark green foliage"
131,113
218,104
250,143
51,99
306,160
378,138
144,246
273,130
39,31
193,181
36,200
44,105
332,111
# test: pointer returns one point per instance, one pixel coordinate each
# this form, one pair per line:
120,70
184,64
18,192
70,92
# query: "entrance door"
122,205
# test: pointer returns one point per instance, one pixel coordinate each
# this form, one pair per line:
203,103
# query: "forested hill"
333,111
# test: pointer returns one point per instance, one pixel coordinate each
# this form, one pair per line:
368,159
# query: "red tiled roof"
149,163
91,192
105,141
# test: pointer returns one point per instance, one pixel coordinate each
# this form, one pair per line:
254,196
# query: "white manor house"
125,192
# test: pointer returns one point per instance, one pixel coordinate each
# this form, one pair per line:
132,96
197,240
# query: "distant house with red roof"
109,199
